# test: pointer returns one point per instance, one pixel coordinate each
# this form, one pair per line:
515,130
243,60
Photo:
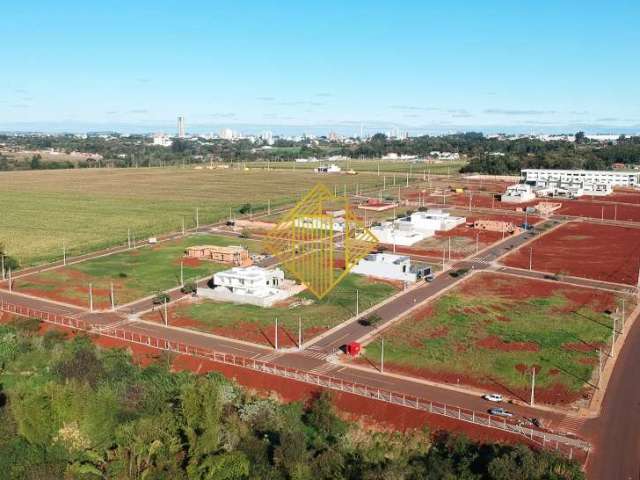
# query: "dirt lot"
493,329
601,208
597,251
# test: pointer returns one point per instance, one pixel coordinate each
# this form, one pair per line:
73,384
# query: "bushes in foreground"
71,410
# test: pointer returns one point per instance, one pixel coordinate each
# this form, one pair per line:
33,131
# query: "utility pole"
444,256
90,297
599,365
183,226
407,179
613,338
602,218
113,299
382,355
181,273
128,238
299,333
10,281
166,314
197,218
530,258
533,385
276,334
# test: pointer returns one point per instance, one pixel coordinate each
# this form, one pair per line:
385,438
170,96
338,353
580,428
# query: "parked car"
429,278
500,412
493,397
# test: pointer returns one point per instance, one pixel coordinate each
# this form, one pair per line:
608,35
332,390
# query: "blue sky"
415,64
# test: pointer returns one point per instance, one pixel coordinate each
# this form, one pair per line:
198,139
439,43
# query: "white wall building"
518,193
393,234
253,285
162,140
226,134
588,179
333,168
390,267
430,221
320,223
181,127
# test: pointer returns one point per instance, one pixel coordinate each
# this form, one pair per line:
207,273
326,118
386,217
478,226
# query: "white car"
493,397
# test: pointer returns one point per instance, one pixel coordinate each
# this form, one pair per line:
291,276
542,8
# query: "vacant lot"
590,250
491,330
93,208
605,209
134,273
256,324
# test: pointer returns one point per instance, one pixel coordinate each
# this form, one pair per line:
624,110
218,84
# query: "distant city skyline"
423,67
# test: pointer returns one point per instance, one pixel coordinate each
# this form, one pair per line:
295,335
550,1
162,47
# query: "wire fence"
541,438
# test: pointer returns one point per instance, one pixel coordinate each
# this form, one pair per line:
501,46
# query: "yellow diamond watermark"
308,240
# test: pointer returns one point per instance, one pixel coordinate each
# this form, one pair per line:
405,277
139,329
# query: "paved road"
616,433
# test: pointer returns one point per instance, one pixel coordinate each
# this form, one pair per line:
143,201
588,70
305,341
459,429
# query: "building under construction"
231,255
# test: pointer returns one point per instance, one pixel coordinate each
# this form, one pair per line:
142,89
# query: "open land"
257,325
492,329
385,166
90,209
584,249
135,273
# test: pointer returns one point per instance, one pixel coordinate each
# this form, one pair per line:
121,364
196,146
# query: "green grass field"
248,322
493,329
135,273
371,165
93,208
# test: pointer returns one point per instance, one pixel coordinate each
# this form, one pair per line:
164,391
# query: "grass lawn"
492,329
135,274
256,324
88,209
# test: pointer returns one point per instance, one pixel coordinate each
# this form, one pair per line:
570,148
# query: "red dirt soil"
601,207
597,251
494,343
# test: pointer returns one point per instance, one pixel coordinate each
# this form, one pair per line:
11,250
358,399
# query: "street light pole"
530,258
533,385
113,299
276,334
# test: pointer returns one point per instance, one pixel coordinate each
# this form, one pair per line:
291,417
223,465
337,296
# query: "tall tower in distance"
180,126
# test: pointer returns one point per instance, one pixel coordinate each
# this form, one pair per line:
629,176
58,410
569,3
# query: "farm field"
371,165
492,329
257,325
89,209
134,273
583,249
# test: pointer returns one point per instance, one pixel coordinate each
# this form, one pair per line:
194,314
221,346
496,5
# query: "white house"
162,140
253,285
391,233
518,193
321,223
390,267
430,221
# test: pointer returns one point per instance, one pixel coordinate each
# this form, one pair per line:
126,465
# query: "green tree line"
69,410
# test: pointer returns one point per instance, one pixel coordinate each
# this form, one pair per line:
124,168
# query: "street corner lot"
492,329
590,250
135,273
463,237
257,325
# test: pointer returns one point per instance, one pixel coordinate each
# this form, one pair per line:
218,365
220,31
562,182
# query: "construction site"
456,293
